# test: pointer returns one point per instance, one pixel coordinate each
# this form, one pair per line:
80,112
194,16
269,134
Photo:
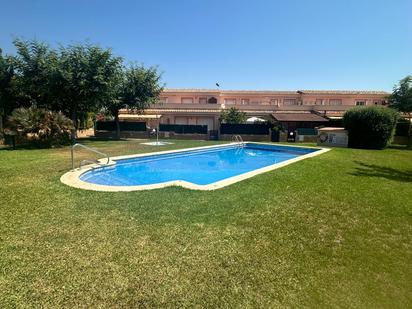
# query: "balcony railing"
263,107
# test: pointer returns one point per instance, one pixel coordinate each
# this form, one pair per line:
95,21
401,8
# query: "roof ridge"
308,91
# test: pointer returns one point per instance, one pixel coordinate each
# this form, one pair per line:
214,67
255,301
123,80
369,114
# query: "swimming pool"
202,168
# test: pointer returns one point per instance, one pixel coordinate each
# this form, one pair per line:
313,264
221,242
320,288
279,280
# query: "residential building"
305,108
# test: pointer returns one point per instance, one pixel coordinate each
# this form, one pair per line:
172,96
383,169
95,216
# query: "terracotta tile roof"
298,117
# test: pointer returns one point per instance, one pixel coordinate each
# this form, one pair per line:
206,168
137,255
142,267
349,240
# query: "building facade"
203,106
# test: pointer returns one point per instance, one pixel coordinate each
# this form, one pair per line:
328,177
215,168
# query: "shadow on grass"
100,139
34,146
27,147
400,147
373,170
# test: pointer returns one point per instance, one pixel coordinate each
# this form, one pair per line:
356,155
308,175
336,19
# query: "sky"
254,44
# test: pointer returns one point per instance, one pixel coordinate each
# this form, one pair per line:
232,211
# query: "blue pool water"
200,167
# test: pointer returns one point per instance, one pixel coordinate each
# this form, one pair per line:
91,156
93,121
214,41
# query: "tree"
401,100
370,127
36,68
138,88
233,116
7,99
87,76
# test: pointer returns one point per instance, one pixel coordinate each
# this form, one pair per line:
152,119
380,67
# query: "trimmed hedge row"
370,127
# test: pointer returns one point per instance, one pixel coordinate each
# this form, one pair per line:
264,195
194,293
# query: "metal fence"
124,126
183,128
252,129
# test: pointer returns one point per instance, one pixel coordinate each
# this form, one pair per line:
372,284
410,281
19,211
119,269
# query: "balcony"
250,107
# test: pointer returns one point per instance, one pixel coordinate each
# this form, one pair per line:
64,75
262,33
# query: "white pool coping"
72,178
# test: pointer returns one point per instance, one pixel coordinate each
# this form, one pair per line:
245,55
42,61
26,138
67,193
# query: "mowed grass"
330,231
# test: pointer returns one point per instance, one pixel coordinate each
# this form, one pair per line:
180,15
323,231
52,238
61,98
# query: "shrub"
370,127
40,127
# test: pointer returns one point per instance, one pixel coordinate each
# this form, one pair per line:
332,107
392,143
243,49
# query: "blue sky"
281,45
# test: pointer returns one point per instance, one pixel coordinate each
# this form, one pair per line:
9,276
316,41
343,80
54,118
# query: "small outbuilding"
332,137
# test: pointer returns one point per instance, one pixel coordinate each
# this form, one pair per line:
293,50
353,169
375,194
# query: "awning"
255,119
304,117
131,116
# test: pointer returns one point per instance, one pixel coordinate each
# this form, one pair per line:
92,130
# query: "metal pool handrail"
90,149
238,140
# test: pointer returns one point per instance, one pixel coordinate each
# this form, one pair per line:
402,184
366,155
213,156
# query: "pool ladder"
238,140
84,162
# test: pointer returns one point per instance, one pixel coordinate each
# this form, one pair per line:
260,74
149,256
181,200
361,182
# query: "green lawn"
330,231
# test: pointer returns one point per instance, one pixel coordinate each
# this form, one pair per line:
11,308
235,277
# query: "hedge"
370,127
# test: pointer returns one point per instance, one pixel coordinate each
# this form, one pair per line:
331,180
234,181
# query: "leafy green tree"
232,116
87,76
401,100
36,68
138,88
7,88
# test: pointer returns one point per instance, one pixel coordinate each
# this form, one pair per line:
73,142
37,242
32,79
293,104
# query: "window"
212,100
187,100
379,102
360,103
230,101
335,102
274,102
163,100
289,102
319,102
245,101
202,100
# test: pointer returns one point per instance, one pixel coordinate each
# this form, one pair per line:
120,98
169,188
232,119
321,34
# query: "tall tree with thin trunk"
138,89
401,100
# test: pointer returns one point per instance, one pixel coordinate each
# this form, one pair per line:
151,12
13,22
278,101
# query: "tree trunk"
116,119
